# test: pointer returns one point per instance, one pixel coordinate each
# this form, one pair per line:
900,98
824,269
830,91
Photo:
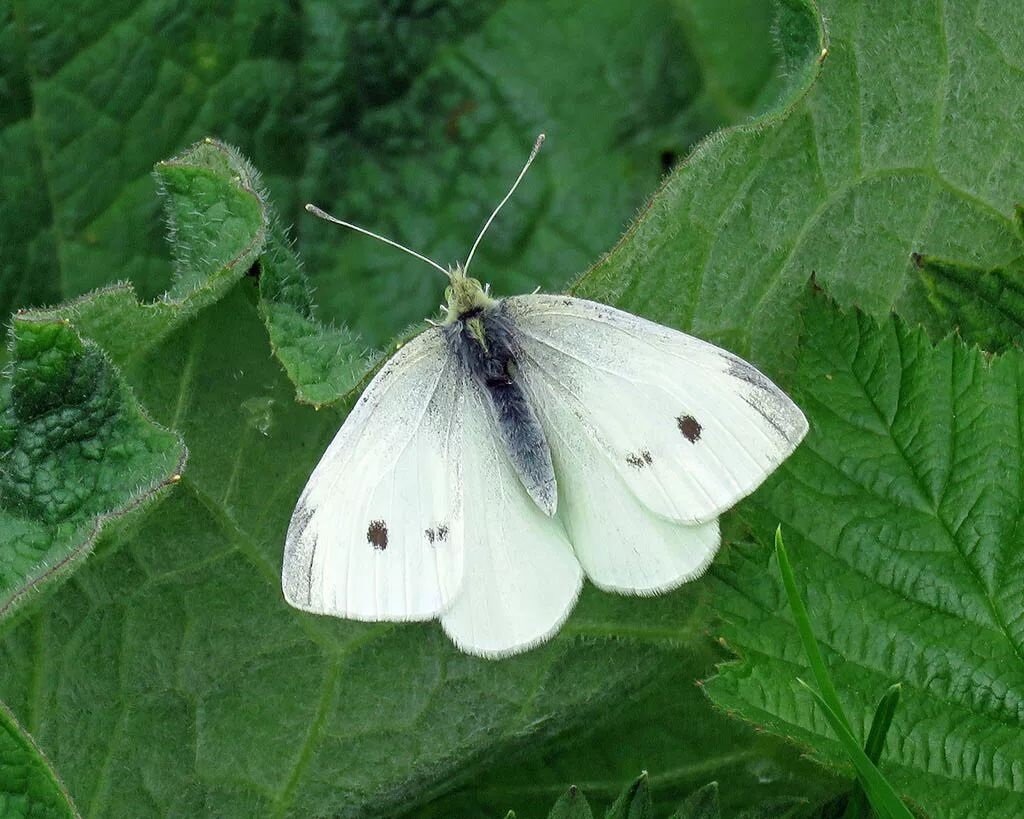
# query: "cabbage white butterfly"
519,444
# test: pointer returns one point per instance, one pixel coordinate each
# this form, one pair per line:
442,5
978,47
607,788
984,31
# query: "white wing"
377,533
622,546
521,576
688,427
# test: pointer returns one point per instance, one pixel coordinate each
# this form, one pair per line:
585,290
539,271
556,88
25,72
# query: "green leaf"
788,808
221,227
325,362
903,510
665,724
216,217
634,802
701,804
78,452
986,306
571,805
90,103
29,786
218,225
907,142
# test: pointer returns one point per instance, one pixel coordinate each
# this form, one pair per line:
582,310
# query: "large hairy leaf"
903,511
910,141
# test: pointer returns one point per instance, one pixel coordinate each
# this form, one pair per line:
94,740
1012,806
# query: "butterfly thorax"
484,340
464,295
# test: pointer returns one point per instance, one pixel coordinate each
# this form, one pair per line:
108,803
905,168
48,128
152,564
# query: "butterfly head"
464,295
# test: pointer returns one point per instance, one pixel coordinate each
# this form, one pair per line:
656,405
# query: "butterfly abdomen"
484,341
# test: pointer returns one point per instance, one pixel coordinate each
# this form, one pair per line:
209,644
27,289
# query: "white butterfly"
522,443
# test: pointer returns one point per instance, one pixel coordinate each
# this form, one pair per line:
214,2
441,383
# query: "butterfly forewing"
688,427
377,534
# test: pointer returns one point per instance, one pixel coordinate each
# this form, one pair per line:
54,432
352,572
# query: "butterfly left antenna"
501,204
326,216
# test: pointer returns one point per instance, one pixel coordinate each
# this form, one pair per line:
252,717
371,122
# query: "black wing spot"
690,427
639,459
377,535
437,535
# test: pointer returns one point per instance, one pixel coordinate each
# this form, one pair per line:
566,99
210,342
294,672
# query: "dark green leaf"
985,305
324,362
907,142
634,802
29,787
701,804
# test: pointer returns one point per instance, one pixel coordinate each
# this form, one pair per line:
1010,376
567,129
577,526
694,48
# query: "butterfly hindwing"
620,543
521,576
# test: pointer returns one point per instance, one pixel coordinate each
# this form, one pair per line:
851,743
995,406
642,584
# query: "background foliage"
166,676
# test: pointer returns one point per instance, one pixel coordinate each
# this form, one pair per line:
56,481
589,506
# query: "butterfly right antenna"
501,204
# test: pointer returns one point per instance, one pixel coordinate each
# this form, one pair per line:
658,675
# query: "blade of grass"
857,806
876,787
879,792
803,627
